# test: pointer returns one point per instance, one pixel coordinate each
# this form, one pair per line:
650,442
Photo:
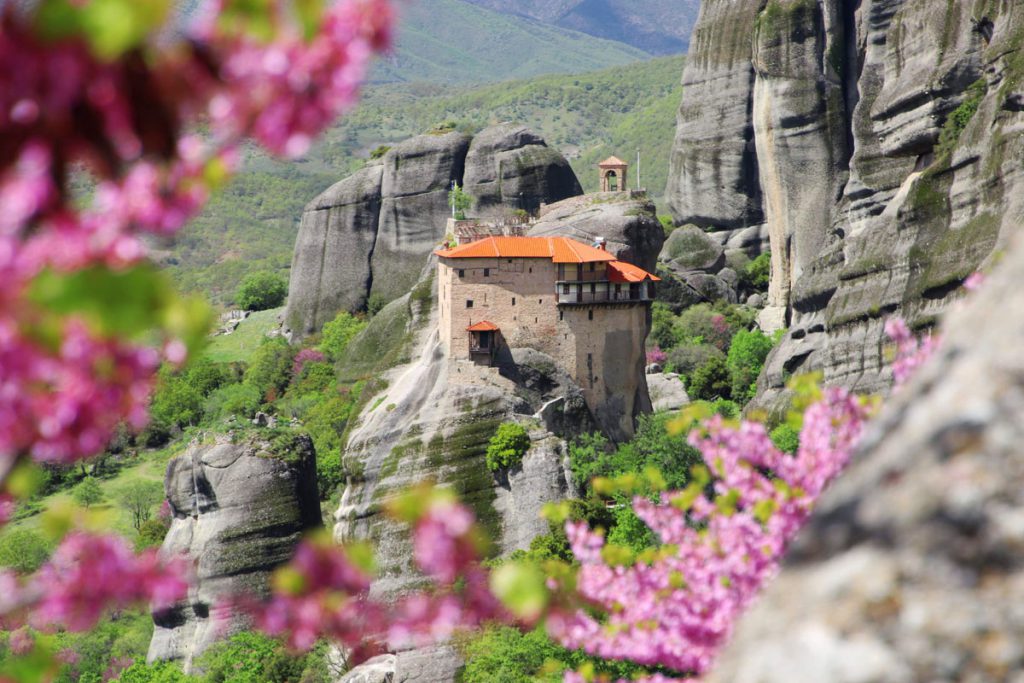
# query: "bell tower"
614,174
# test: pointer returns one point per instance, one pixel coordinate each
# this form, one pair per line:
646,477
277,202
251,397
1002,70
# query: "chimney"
599,243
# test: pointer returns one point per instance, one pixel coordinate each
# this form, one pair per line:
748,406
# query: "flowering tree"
115,91
109,96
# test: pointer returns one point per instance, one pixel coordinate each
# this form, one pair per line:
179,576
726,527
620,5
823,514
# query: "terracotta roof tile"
620,271
558,249
613,161
483,326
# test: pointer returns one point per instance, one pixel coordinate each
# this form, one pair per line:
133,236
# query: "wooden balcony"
580,293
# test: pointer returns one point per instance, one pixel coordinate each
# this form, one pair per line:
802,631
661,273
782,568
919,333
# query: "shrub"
375,304
338,333
379,151
590,455
757,274
242,400
747,354
314,378
710,381
662,321
88,493
507,447
260,291
270,369
703,324
786,438
668,224
249,657
176,403
688,357
656,355
151,533
158,672
23,550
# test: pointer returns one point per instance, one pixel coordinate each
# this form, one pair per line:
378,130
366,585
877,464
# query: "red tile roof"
612,161
620,271
558,249
483,326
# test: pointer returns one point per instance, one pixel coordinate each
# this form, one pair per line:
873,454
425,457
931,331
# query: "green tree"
88,492
151,534
758,273
710,381
249,657
242,400
460,201
747,353
508,446
158,672
260,291
270,369
138,498
786,438
23,550
338,333
176,402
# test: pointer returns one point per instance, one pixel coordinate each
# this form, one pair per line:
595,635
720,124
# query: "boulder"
690,248
629,225
511,167
667,391
911,566
239,510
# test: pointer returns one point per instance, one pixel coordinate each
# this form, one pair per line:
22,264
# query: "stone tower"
614,172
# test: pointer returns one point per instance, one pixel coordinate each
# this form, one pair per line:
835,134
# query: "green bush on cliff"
507,447
338,333
260,291
746,357
710,381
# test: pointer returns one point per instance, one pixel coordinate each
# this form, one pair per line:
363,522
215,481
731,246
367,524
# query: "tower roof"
612,161
620,271
483,326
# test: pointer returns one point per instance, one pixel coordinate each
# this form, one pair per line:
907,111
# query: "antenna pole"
638,185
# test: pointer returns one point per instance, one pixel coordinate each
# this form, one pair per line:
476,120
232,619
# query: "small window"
535,320
462,273
487,272
510,260
531,270
591,267
513,301
540,301
469,303
590,314
561,315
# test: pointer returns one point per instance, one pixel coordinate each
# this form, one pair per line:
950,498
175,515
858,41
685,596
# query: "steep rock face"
358,238
239,511
418,174
912,567
877,146
509,166
628,224
331,264
713,170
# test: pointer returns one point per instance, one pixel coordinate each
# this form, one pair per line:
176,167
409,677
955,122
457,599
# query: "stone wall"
600,346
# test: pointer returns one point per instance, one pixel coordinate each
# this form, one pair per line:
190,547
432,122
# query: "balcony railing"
580,294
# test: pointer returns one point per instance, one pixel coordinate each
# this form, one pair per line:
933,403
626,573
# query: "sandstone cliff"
874,142
368,234
912,567
239,510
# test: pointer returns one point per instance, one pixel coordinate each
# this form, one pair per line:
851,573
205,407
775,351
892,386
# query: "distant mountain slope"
655,26
252,224
454,41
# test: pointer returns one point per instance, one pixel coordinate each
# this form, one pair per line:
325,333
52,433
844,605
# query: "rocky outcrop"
511,167
872,142
358,238
628,223
912,567
240,506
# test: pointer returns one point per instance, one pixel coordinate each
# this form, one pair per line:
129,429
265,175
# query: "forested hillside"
454,41
252,225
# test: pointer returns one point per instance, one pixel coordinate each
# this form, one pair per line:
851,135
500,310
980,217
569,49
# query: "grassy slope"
239,345
252,225
453,41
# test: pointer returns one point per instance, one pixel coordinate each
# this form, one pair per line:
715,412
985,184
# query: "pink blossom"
911,353
306,356
89,574
974,281
656,355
